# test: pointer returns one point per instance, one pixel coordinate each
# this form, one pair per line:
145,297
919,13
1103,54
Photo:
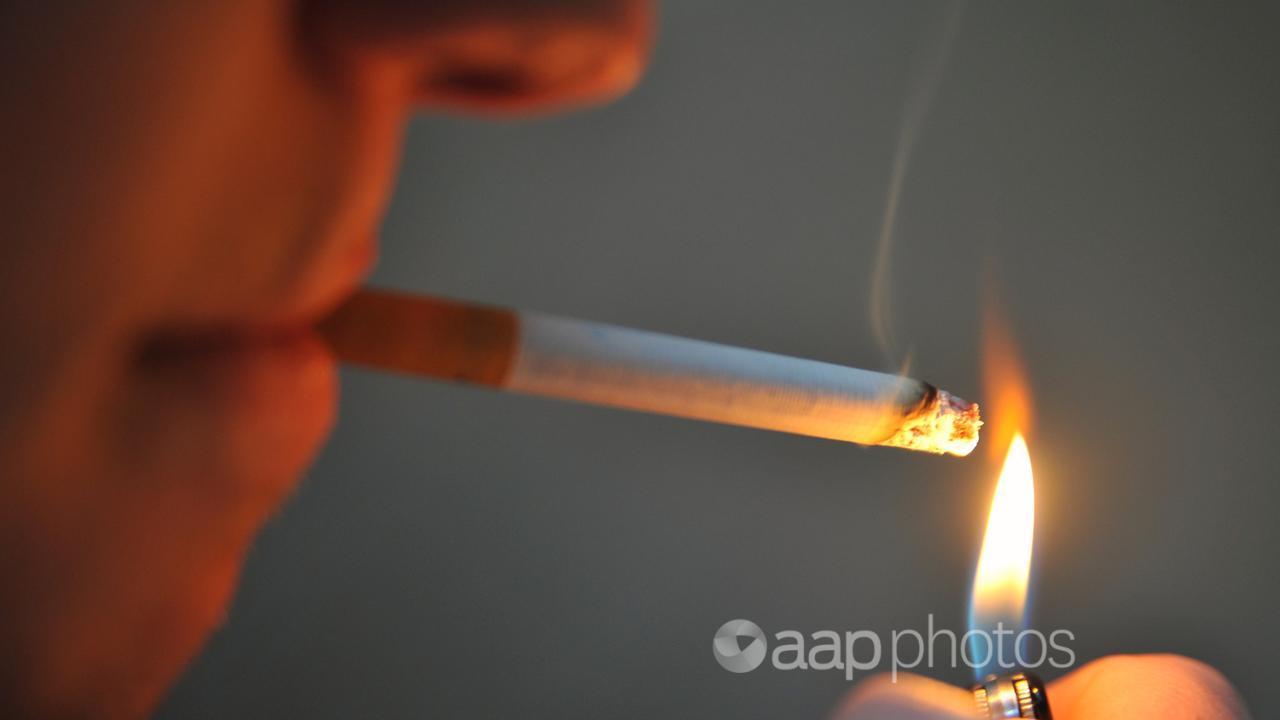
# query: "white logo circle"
739,646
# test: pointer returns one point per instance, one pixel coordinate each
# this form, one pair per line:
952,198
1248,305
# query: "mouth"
257,372
283,315
319,292
224,383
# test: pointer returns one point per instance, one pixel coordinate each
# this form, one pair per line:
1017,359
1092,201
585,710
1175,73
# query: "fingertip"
906,697
1153,685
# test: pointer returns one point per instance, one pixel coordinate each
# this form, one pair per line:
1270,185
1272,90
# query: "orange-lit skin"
1120,687
188,185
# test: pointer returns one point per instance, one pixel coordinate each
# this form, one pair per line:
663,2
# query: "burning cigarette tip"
944,425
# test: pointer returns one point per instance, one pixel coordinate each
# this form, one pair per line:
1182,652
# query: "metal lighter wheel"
1018,695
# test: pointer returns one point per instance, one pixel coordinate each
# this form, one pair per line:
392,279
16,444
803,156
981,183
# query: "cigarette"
601,364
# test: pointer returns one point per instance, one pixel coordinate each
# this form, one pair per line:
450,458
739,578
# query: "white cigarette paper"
634,369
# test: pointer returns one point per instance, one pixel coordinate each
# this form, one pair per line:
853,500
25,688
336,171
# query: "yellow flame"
1000,584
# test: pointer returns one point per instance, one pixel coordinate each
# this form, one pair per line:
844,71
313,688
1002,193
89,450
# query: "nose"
493,56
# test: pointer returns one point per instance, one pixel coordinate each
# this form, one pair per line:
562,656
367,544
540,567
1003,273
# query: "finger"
910,697
1170,687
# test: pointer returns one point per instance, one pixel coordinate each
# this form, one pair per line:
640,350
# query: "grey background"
457,552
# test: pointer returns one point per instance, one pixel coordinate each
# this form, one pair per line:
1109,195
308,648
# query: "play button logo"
739,646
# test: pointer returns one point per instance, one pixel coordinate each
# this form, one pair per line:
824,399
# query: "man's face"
188,186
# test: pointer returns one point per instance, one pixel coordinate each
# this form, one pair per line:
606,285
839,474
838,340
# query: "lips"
317,292
266,374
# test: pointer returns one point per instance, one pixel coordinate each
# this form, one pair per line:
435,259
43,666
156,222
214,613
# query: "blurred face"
188,186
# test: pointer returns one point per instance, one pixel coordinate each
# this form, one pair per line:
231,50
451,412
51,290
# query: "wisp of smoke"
924,86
